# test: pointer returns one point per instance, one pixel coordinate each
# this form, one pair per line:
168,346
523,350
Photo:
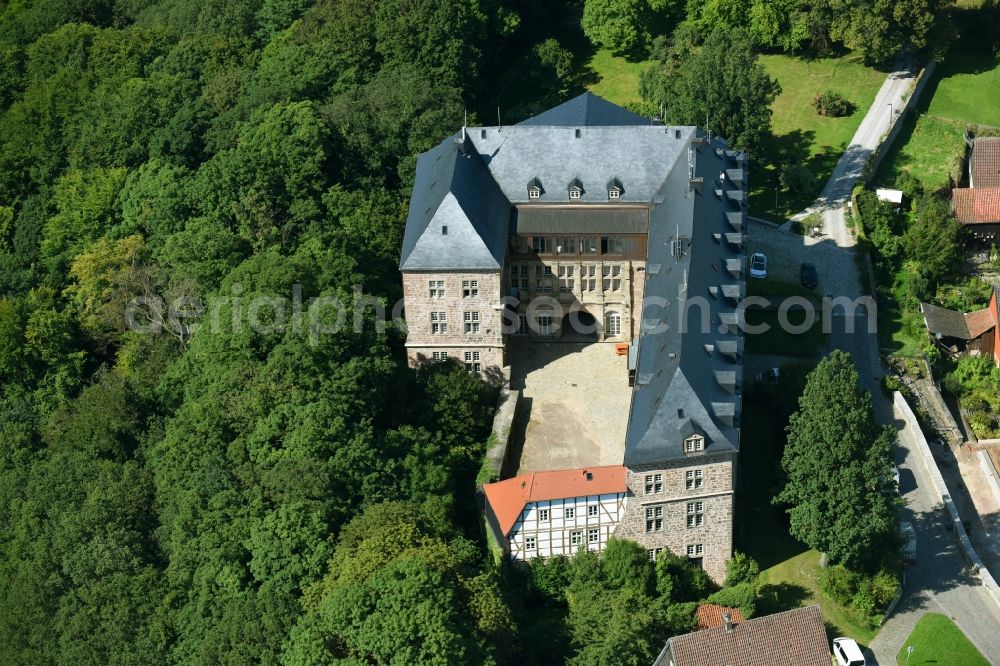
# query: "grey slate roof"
580,219
943,322
586,110
454,190
691,380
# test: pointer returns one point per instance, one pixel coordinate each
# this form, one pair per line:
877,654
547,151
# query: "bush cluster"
832,104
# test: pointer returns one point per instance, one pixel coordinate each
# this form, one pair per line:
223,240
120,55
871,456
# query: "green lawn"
617,79
968,88
936,640
927,147
789,571
779,341
802,135
901,327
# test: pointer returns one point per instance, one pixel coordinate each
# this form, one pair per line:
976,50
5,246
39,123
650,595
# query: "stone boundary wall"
496,455
988,442
990,472
941,491
895,126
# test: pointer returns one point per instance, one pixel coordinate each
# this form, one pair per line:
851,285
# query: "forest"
237,494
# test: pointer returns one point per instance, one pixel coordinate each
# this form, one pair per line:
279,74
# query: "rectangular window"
543,278
522,324
612,278
570,513
611,245
529,543
566,245
471,321
588,278
440,356
588,245
613,194
470,288
541,244
436,288
543,515
695,550
534,193
592,510
694,444
566,282
654,518
653,552
574,194
576,538
545,324
439,323
593,535
693,479
695,514
654,484
472,361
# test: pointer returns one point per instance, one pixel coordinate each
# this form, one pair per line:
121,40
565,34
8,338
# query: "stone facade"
472,330
671,494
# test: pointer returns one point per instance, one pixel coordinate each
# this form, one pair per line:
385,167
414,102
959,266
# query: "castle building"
588,215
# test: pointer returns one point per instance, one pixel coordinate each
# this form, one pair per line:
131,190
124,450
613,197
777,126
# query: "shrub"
741,568
832,104
742,596
839,583
863,600
885,584
796,177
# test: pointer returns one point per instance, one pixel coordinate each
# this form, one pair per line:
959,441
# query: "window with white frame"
436,288
593,535
653,552
695,550
694,444
529,543
654,518
566,245
588,245
534,193
543,515
440,355
470,288
693,479
592,510
654,484
576,538
472,361
614,193
471,321
613,324
695,514
439,323
574,193
545,324
566,281
569,513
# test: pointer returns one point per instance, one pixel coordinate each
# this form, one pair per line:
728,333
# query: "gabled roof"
979,322
980,205
793,638
508,498
688,375
709,616
984,171
586,110
458,216
942,322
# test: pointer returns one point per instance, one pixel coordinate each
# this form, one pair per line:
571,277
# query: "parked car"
909,540
807,275
847,652
758,265
769,375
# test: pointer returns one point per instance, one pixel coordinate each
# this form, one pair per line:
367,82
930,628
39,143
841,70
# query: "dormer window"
534,188
574,194
694,444
575,189
615,189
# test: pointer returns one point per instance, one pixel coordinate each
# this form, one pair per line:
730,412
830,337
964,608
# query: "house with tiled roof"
976,333
793,638
636,228
977,207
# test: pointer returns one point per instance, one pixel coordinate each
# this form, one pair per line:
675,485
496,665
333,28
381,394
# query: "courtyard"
574,405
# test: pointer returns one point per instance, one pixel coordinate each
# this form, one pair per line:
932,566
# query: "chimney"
728,620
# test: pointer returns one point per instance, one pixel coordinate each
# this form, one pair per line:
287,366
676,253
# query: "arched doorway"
579,326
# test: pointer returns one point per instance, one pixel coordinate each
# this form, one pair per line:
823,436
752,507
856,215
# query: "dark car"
808,275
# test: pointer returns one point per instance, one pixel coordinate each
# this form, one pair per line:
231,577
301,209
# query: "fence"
908,105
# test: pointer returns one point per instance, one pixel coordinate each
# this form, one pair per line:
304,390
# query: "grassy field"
789,571
800,135
967,90
778,341
901,329
928,148
936,640
617,79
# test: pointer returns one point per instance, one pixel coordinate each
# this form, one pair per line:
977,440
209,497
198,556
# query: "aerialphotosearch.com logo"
323,315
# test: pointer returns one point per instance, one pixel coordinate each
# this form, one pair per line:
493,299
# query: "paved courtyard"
574,405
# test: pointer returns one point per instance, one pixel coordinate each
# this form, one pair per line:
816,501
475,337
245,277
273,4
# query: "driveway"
882,113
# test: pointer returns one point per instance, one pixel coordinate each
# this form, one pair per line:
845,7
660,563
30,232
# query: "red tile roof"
792,638
980,205
508,498
710,616
979,322
986,162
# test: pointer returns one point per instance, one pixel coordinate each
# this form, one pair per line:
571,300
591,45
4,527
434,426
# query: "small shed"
895,197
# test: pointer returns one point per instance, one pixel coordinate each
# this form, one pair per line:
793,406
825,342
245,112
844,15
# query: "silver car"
758,265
